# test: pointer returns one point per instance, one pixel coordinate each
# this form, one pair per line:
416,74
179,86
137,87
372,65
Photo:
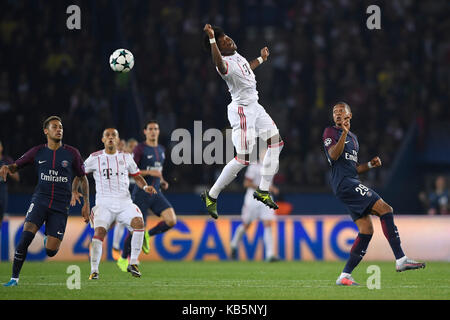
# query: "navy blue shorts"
55,221
155,202
358,198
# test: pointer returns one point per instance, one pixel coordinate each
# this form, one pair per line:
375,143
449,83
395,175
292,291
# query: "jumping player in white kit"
110,169
247,118
253,210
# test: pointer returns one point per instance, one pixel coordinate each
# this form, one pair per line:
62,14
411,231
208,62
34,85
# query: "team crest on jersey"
121,163
65,163
327,142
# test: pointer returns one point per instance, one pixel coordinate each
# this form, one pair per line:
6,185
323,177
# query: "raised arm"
364,167
336,150
215,52
258,61
141,183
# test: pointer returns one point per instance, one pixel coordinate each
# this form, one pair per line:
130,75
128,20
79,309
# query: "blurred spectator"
122,147
131,144
436,202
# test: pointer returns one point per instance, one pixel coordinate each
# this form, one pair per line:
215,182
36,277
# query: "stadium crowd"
321,52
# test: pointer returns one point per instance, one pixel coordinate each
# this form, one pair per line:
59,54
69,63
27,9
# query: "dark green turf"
227,280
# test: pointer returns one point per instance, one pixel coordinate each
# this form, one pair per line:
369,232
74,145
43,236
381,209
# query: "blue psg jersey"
55,170
150,158
345,165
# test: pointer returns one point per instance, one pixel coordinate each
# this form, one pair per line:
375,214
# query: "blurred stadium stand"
395,79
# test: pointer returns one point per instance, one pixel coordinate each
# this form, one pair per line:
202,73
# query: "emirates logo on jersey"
327,142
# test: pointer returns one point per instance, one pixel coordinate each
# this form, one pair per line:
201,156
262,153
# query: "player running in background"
341,148
254,210
149,157
119,228
110,169
5,160
57,164
247,118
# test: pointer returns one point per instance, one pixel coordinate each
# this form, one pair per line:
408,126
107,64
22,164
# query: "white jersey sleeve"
90,164
231,69
131,165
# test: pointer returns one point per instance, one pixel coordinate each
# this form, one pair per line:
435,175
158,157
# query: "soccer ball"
121,60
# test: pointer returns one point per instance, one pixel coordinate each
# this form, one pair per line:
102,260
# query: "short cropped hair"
344,104
47,121
150,122
218,32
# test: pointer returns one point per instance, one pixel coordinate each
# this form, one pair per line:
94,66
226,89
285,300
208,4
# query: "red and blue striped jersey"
345,165
55,171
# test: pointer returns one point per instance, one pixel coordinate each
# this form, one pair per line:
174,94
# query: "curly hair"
218,32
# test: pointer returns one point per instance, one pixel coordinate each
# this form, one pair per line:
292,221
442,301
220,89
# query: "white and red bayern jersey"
240,79
110,172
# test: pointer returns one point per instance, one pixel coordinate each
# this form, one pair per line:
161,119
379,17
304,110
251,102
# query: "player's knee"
367,230
171,221
386,209
243,158
389,208
100,233
274,139
51,253
137,223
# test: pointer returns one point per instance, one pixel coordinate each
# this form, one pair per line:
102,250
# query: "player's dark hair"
110,127
345,105
51,118
150,122
218,32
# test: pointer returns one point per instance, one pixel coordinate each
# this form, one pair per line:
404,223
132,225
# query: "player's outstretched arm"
258,61
215,52
364,167
141,183
153,173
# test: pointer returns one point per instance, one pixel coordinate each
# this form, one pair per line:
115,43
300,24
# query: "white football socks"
228,174
96,254
136,245
237,236
118,234
268,242
270,165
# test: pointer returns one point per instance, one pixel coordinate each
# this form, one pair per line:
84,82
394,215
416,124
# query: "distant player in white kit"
110,169
247,117
253,210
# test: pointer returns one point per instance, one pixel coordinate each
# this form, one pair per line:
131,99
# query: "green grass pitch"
227,281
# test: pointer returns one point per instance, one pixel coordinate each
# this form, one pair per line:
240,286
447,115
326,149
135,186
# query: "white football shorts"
248,123
104,216
255,210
